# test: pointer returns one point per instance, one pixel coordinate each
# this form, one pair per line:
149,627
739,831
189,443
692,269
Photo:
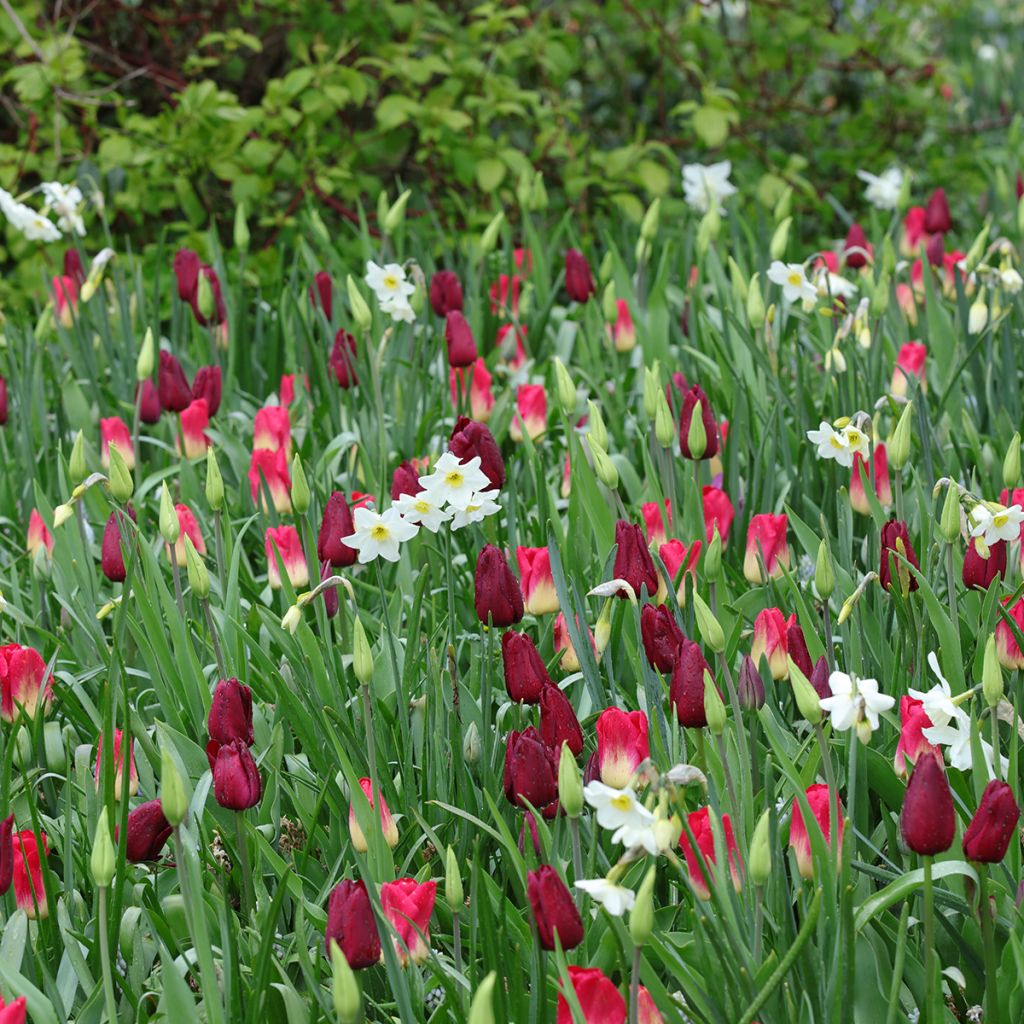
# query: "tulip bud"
104,857
609,305
598,432
714,709
649,225
481,1010
198,575
807,700
170,527
780,239
641,917
565,390
357,304
344,987
697,436
713,555
490,236
974,253
888,256
824,573
205,301
603,466
738,282
453,891
570,787
991,674
949,520
664,425
879,300
77,469
173,800
784,205
241,228
396,215
899,447
300,489
147,356
710,628
652,387
471,745
120,477
760,858
1011,463
755,303
214,482
362,656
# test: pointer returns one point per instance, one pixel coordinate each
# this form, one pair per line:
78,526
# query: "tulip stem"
634,985
371,753
929,941
176,573
833,792
829,645
897,965
243,855
219,540
218,654
758,921
989,941
402,705
457,941
995,743
577,849
897,480
136,419
951,586
108,978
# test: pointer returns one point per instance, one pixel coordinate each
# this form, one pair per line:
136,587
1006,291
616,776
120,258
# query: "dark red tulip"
579,282
230,715
525,674
207,384
554,909
797,648
343,359
148,831
351,924
936,213
661,636
236,779
687,688
321,293
558,722
172,385
6,853
111,558
855,249
405,480
445,293
980,573
469,439
633,562
935,251
459,339
336,523
3,401
330,595
150,408
1020,186
529,824
186,270
73,266
531,769
819,678
928,819
498,597
750,685
896,538
694,395
993,825
592,769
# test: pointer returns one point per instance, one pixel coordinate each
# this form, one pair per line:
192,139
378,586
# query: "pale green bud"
489,238
707,232
120,477
760,860
738,281
565,390
755,303
609,305
991,674
714,709
173,800
710,629
453,891
538,194
214,482
204,297
649,225
713,556
807,700
147,356
880,295
697,436
664,424
1020,216
471,745
780,239
241,228
977,249
652,385
899,447
382,206
570,787
344,988
61,514
396,215
598,432
1011,463
603,466
824,572
104,856
77,469
949,520
170,527
198,575
300,488
362,656
784,206
641,917
357,304
481,1009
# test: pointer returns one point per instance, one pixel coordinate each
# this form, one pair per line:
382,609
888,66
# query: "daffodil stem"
988,937
897,965
634,985
951,586
243,856
108,977
929,941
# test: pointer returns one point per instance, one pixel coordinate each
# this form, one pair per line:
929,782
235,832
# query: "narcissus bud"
198,575
738,281
899,447
300,488
453,892
714,709
104,856
780,239
949,521
121,483
1011,463
824,572
992,674
170,527
344,987
362,656
760,859
649,225
396,214
710,628
147,356
570,787
173,800
598,432
357,304
565,390
77,469
214,482
755,303
603,466
641,917
490,236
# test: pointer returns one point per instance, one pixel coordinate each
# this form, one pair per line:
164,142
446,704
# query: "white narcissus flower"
938,701
854,701
455,483
831,444
793,278
480,506
956,735
616,808
857,441
994,523
423,510
1011,280
834,285
977,315
392,288
379,534
706,185
65,201
883,191
616,899
646,838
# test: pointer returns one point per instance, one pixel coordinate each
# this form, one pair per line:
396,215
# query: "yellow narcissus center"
390,282
621,802
1000,520
380,533
422,507
794,277
454,478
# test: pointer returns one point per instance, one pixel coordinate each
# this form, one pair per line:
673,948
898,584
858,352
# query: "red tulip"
189,528
505,294
532,412
647,1012
481,398
633,562
622,332
554,910
718,512
599,999
13,1013
6,853
208,385
704,855
272,429
770,628
797,647
558,721
878,473
269,471
980,573
352,925
387,823
29,890
284,541
622,745
579,282
707,416
687,689
194,421
133,776
148,398
1007,648
536,581
230,716
525,674
22,690
498,598
114,430
321,293
661,636
993,826
335,524
445,293
766,542
65,299
459,338
935,251
73,266
750,685
342,359
856,250
148,831
172,385
928,819
896,539
910,362
936,213
38,538
3,401
469,439
330,595
914,233
800,841
510,343
655,517
236,779
111,557
408,904
819,678
186,270
531,770
912,744
405,480
569,661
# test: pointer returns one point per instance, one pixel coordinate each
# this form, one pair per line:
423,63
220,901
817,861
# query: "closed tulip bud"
928,818
760,859
344,987
148,832
780,239
652,388
710,629
489,238
570,786
147,356
899,447
641,917
755,304
894,573
649,225
604,468
453,892
696,435
1011,463
687,688
597,431
104,856
531,769
230,716
173,800
707,230
396,214
198,575
807,700
205,301
993,826
558,721
471,745
481,1009
609,303
714,708
1020,215
698,431
880,295
554,911
214,482
300,488
170,528
888,256
351,925
664,427
992,674
357,304
713,555
121,484
750,685
241,232
565,390
77,469
362,656
949,521
738,282
824,572
237,785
